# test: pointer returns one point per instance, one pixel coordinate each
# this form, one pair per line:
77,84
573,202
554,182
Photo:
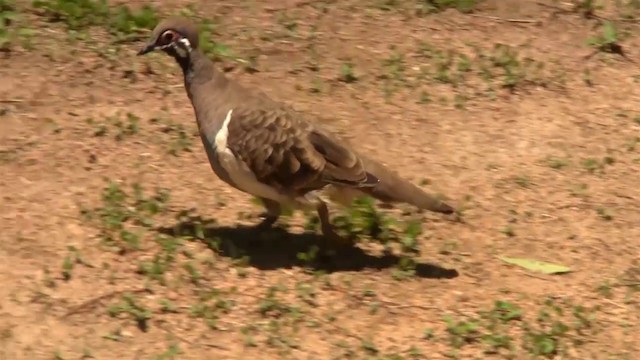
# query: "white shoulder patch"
223,133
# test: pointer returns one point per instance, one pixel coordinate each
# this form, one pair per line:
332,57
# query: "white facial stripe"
184,41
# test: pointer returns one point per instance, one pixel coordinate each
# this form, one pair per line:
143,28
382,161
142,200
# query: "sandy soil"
500,110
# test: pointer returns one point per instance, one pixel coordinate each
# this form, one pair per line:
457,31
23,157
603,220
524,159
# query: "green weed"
608,41
216,50
10,30
75,14
180,139
462,332
556,327
363,219
131,306
425,7
79,15
126,24
552,332
210,306
557,163
347,73
171,353
123,215
121,128
71,259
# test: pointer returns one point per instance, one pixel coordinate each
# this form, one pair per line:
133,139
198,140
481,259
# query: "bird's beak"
147,49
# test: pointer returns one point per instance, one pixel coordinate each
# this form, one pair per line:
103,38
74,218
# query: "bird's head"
176,36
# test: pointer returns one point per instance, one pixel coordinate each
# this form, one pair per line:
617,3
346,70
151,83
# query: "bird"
265,148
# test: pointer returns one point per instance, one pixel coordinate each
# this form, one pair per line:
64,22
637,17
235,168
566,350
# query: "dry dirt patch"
118,241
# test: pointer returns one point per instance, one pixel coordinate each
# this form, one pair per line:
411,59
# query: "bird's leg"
270,215
327,228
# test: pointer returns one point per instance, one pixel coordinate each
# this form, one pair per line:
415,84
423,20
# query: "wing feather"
289,154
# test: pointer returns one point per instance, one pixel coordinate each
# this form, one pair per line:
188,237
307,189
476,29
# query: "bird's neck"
206,88
198,69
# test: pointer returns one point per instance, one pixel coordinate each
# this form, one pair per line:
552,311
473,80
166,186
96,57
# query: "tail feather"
393,188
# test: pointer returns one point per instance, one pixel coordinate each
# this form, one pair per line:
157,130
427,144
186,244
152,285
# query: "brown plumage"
267,149
391,189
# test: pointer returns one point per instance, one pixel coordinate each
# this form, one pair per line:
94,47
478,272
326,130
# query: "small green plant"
552,331
309,256
72,258
592,164
496,325
506,57
121,128
408,240
166,306
586,7
508,231
433,6
307,293
181,141
556,327
522,181
425,98
604,214
76,14
444,64
131,306
633,143
557,163
11,31
194,274
210,306
608,41
428,334
395,66
7,16
462,332
80,15
123,214
394,75
502,66
156,268
127,25
216,50
180,138
347,73
272,306
362,219
172,353
128,127
67,266
369,347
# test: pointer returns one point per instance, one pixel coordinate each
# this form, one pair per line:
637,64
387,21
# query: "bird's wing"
288,153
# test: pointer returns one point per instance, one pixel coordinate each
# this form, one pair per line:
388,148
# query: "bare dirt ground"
498,108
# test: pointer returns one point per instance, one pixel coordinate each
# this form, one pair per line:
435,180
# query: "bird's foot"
266,224
270,216
334,242
263,230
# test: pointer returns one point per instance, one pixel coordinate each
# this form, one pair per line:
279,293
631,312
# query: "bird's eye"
168,37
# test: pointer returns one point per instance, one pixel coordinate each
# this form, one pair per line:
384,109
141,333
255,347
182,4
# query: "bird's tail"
392,188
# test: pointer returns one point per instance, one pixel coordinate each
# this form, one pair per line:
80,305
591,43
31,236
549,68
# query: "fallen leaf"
535,265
